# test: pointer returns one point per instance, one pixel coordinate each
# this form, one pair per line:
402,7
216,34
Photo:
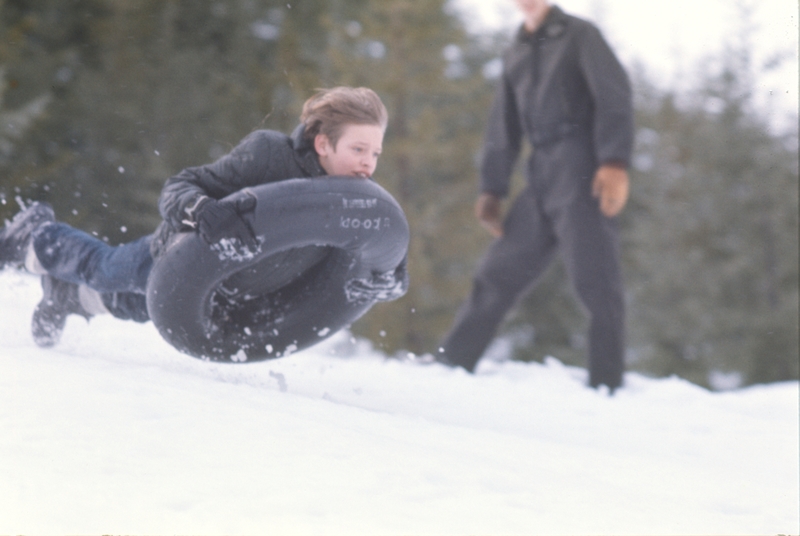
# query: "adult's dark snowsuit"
120,273
564,90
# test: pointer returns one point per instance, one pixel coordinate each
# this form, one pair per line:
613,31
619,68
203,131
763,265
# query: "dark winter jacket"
562,80
262,157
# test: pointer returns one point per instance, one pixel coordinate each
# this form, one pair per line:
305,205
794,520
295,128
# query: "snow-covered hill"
113,431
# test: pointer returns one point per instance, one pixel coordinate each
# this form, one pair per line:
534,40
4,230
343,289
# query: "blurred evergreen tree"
140,90
712,237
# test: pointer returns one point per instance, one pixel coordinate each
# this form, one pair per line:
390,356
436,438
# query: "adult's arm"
611,97
502,142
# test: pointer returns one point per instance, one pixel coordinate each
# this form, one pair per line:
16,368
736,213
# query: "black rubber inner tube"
322,242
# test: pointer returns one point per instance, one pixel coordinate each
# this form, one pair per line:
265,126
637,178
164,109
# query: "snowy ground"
113,431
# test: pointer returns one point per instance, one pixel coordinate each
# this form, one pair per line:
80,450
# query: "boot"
16,235
59,301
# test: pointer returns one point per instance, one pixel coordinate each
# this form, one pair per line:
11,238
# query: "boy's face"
355,154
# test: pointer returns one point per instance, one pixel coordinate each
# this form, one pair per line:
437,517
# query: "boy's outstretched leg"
15,238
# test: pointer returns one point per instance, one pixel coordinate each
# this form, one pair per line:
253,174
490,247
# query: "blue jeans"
118,273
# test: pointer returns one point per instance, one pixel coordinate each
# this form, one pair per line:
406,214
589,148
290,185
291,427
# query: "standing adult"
563,89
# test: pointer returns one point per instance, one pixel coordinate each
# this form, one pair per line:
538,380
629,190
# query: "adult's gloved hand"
217,220
612,187
487,210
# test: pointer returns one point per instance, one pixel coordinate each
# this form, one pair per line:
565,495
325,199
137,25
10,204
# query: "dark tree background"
102,100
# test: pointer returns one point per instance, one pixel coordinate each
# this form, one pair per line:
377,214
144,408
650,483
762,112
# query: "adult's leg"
589,242
511,264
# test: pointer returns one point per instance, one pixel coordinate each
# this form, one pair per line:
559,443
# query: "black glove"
384,287
223,219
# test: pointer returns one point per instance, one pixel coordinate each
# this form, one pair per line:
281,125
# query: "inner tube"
329,248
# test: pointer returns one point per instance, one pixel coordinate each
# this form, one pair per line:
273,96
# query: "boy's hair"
330,110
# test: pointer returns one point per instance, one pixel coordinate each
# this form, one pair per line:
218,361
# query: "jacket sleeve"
612,99
246,165
503,141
